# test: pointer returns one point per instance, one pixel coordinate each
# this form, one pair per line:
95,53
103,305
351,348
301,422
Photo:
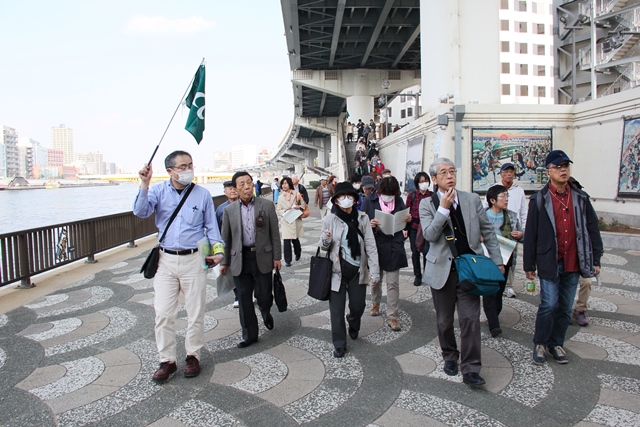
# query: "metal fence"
29,252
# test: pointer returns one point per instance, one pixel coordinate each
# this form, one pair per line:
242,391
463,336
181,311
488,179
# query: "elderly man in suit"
464,214
252,251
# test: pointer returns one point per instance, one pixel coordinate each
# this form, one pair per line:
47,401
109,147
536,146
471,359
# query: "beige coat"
289,230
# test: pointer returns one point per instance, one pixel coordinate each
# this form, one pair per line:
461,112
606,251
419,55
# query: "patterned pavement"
84,355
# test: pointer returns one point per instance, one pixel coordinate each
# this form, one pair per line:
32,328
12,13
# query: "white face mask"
387,199
345,202
186,177
424,186
356,186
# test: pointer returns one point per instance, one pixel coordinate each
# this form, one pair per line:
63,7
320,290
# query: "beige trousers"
393,292
179,274
583,294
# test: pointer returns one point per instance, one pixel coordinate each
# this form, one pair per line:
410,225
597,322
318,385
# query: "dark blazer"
540,244
392,255
302,190
268,246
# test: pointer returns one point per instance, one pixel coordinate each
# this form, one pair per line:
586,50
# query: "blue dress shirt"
196,217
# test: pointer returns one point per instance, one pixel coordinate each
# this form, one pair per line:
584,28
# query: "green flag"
195,102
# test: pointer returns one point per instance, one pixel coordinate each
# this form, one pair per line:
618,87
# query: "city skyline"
115,72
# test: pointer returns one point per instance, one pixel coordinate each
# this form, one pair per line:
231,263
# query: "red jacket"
380,167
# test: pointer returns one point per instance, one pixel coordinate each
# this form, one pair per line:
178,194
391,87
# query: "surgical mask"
186,177
356,186
424,186
387,199
345,202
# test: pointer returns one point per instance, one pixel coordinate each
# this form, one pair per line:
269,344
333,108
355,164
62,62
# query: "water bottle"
531,286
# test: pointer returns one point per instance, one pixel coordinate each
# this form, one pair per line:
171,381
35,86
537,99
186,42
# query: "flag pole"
173,116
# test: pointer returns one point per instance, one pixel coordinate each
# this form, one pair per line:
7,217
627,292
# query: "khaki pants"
393,292
179,274
583,294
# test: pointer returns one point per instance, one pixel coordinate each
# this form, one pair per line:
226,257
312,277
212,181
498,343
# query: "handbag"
320,276
279,293
478,274
150,265
420,241
305,212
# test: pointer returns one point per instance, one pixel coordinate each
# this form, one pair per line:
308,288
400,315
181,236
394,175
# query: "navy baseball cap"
227,184
367,182
506,166
556,157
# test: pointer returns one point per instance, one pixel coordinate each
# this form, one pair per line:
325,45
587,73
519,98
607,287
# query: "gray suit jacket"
268,248
439,257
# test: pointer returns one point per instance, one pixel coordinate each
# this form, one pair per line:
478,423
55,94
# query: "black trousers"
492,304
251,281
297,249
357,300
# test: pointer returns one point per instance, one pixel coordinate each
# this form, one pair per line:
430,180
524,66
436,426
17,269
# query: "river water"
25,209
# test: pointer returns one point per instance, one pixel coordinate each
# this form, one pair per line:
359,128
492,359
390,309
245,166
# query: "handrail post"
132,242
23,262
92,243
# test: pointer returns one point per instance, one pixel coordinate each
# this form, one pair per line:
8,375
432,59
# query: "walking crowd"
249,234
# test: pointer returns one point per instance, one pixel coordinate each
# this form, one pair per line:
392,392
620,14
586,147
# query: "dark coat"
540,245
392,254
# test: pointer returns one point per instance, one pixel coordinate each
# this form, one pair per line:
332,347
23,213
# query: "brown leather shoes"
193,367
164,372
375,310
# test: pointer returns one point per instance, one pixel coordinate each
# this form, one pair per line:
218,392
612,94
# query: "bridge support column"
359,107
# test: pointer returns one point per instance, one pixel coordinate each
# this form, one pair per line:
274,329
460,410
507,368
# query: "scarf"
387,207
351,219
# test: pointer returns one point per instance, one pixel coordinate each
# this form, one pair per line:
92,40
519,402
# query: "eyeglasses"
559,167
451,172
503,196
183,167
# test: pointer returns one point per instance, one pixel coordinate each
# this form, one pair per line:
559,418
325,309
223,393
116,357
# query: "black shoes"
472,379
339,352
268,320
244,344
450,367
298,257
165,371
288,264
418,280
496,332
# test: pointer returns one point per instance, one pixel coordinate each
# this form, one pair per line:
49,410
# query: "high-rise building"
9,160
40,153
62,139
526,52
55,157
91,163
221,160
244,155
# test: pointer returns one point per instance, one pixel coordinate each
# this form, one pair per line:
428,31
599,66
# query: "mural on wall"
414,162
630,160
525,148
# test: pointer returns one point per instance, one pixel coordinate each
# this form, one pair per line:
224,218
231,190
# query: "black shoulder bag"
150,265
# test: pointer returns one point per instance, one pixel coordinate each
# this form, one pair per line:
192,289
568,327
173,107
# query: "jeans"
416,255
554,312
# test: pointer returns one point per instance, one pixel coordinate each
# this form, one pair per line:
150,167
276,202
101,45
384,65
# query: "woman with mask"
422,183
507,225
387,199
347,235
289,232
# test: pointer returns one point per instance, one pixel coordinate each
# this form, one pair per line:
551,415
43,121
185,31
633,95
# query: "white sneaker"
510,293
236,304
255,301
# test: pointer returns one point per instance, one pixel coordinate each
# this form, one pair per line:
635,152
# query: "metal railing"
26,253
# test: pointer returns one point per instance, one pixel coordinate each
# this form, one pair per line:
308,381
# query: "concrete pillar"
359,107
334,149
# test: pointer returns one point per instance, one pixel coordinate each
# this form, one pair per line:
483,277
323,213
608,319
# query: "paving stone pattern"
85,355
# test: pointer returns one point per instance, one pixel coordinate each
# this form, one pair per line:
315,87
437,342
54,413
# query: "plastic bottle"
531,286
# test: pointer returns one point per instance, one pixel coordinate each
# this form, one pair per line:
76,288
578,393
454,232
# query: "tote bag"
320,277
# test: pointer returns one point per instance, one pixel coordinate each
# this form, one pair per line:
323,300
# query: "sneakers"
510,293
580,317
236,304
375,310
394,325
558,354
539,354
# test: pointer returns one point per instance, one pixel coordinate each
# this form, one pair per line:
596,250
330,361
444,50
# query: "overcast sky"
115,70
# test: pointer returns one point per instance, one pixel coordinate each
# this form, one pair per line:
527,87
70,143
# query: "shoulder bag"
478,274
150,266
320,276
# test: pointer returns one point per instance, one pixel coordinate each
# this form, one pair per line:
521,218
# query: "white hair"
433,169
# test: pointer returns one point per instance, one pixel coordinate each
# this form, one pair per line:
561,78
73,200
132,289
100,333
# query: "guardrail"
26,253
